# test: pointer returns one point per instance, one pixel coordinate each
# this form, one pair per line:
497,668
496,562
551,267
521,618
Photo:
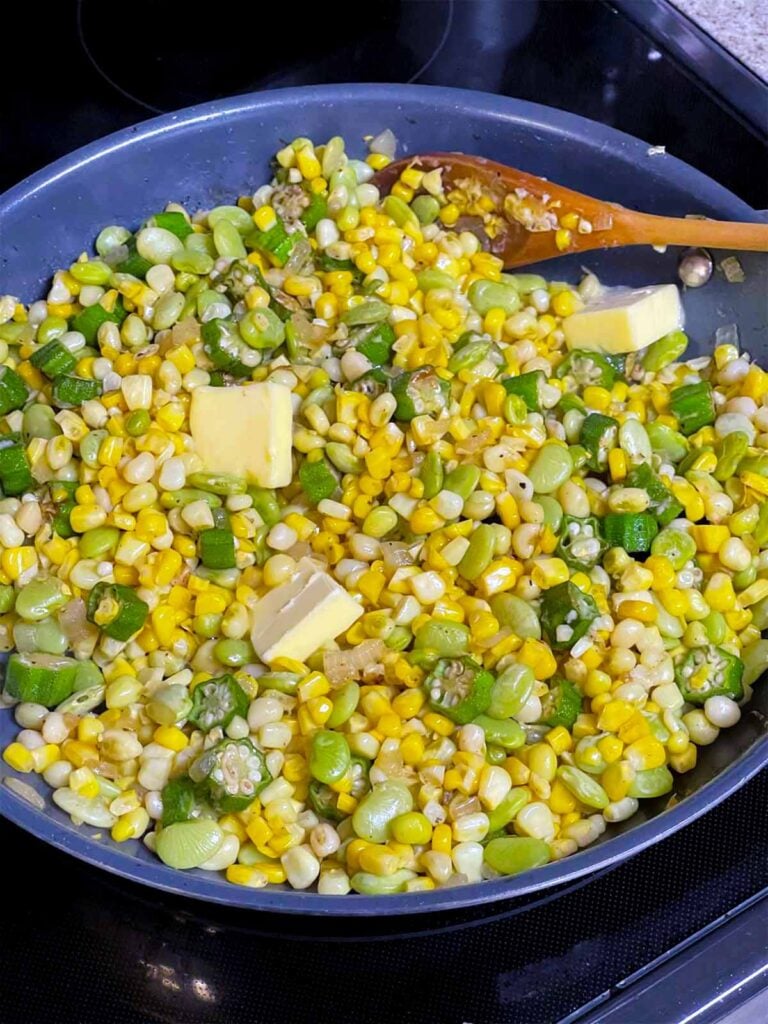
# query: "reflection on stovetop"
583,57
143,956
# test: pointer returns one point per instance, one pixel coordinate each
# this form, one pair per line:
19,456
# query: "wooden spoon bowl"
536,219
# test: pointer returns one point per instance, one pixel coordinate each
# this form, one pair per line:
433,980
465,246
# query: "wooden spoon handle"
648,229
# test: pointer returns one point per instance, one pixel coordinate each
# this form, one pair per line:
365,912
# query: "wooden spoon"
599,224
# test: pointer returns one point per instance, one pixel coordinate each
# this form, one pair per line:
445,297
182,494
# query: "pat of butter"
245,431
625,321
298,617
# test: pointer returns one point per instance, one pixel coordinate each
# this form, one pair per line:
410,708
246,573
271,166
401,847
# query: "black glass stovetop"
676,934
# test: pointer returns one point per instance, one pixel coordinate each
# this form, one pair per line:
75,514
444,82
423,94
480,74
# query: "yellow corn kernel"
354,849
265,218
19,758
442,838
634,728
371,584
563,239
259,831
56,549
610,748
424,520
378,161
273,872
379,860
182,358
597,397
80,754
126,575
508,511
645,753
684,761
390,725
614,714
170,737
597,682
501,575
616,779
163,619
170,417
643,611
674,601
89,729
17,561
295,768
130,825
719,593
548,572
755,384
409,703
408,675
493,322
211,602
738,619
617,464
438,723
252,877
591,658
412,747
559,739
30,375
538,657
111,451
320,709
519,772
84,495
45,755
710,538
233,826
561,800
566,302
692,502
346,803
314,685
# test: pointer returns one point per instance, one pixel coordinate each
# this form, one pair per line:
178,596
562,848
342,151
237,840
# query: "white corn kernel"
468,860
471,828
301,866
535,819
722,711
137,391
495,783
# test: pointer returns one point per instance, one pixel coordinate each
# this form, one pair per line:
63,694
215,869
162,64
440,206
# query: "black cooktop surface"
93,70
676,934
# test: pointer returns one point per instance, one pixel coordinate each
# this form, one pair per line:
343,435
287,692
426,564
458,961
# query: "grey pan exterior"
207,154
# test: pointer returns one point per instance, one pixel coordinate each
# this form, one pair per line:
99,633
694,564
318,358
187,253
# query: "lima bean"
380,885
487,295
446,639
188,844
508,733
345,702
375,811
551,468
650,783
508,809
510,855
513,686
517,615
584,788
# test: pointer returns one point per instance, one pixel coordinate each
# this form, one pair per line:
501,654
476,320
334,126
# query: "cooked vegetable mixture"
327,557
